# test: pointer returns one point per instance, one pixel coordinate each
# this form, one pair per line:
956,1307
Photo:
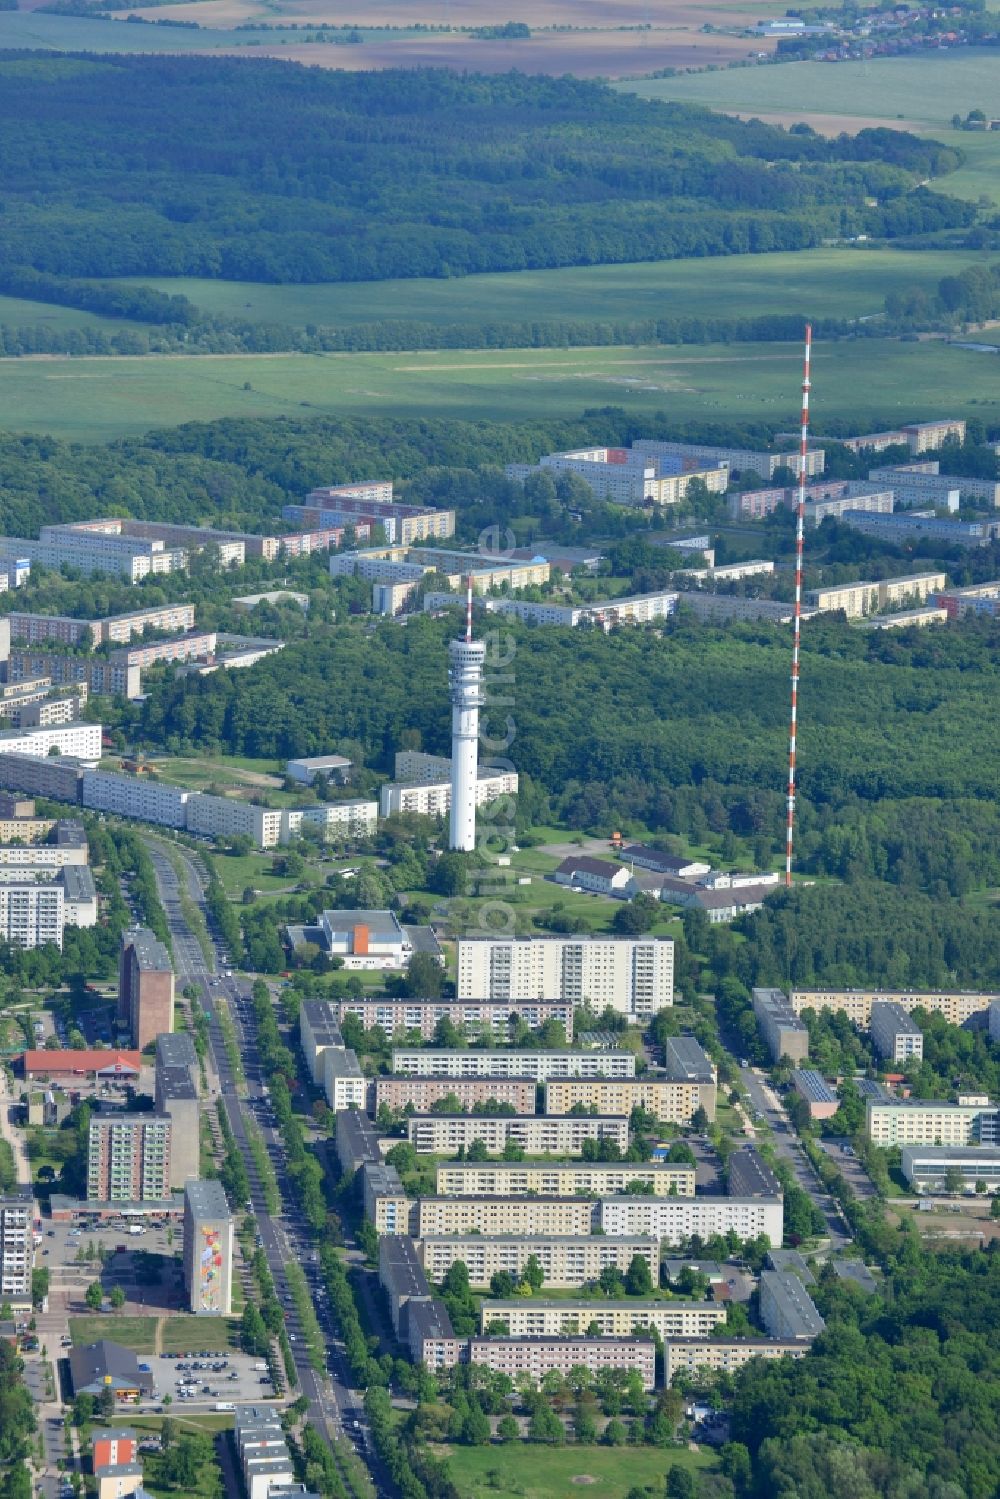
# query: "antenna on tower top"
800,523
468,610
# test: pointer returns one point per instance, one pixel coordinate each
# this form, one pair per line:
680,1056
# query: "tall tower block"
466,659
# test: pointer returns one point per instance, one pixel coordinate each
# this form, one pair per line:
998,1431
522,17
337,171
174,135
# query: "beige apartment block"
537,1356
423,1092
538,1134
499,1215
569,1261
686,1355
671,1102
585,1178
533,1317
856,1004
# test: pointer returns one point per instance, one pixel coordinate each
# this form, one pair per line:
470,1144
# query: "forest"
265,171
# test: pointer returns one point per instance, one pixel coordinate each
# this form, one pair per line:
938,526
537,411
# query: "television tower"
800,526
466,659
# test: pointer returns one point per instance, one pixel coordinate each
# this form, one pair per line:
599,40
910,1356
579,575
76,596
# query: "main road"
335,1408
788,1146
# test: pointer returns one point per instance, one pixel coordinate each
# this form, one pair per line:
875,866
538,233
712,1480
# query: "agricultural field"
873,382
531,1472
830,282
591,46
19,312
919,93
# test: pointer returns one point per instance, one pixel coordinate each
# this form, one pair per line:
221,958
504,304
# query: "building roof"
322,1021
206,1199
813,1086
790,1259
429,1319
737,897
463,1236
664,862
341,1063
121,1063
176,1049
797,1308
868,1088
901,1020
78,882
96,1366
175,1082
422,939
858,1273
150,953
711,1268
382,1179
380,924
399,1267
602,868
685,1060
316,762
69,834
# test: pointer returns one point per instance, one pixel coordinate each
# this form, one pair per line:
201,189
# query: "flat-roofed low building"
177,1049
821,1099
319,1029
956,1007
786,1308
749,1175
534,1317
344,1084
535,1357
674,1220
504,1215
356,1140
529,1062
401,1275
473,1016
539,1134
723,1355
931,1168
568,1260
669,1100
422,1093
385,1201
583,1178
430,1335
895,1035
933,1122
782,1032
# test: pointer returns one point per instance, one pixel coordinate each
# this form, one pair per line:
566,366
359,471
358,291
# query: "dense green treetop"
265,171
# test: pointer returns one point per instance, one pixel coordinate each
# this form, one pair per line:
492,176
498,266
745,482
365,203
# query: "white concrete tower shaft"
466,659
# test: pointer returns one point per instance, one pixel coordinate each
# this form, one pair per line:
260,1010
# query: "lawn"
189,1334
137,1333
834,283
870,383
237,871
530,1472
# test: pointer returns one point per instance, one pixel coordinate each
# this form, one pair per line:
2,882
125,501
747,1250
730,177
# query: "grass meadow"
533,1472
831,282
870,382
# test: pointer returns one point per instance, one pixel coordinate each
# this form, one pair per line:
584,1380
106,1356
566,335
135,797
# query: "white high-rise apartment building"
632,974
80,740
135,796
16,1248
32,910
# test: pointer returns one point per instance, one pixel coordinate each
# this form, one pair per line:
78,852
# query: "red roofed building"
67,1064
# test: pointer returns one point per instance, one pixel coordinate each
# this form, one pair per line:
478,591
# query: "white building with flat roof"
228,817
933,1122
141,797
81,741
634,975
673,1220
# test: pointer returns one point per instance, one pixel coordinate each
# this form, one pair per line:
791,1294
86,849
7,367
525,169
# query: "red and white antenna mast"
800,525
468,609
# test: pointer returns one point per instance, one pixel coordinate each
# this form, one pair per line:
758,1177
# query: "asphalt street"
766,1103
335,1408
